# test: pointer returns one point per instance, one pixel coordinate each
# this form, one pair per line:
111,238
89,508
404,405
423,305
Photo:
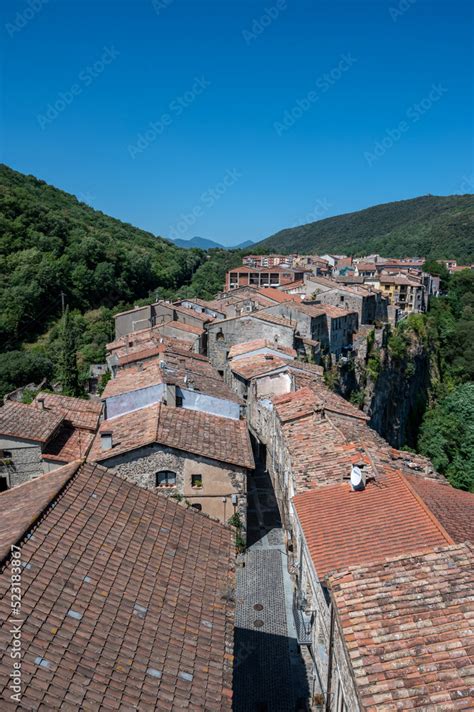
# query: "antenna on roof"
357,479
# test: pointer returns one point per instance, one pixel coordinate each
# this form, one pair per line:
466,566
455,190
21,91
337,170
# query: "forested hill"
429,226
52,243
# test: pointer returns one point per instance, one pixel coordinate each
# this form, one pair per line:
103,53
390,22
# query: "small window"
179,401
3,484
219,336
197,507
5,454
341,298
165,478
196,480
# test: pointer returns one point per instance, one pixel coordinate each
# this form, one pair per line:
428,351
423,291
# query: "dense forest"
57,252
447,431
429,226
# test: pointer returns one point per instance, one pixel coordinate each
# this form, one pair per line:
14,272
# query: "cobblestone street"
269,674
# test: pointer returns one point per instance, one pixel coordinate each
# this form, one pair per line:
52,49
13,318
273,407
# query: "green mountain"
429,226
53,247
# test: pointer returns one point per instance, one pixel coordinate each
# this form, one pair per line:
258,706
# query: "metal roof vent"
357,479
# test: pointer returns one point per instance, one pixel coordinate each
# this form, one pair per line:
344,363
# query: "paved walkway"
269,674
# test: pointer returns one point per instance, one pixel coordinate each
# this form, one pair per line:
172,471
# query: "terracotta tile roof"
407,625
274,294
188,328
247,346
222,439
27,422
79,412
292,285
125,603
452,507
399,279
68,444
344,528
316,397
145,338
257,365
186,311
198,373
22,505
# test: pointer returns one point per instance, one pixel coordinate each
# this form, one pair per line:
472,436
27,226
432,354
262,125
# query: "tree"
447,436
68,370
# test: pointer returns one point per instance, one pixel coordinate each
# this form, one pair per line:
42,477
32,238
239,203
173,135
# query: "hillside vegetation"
429,226
52,243
55,249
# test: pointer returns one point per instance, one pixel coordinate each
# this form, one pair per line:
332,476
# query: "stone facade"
21,460
224,334
219,480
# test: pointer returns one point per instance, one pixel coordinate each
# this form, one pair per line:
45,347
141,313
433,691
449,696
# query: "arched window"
198,507
220,336
165,478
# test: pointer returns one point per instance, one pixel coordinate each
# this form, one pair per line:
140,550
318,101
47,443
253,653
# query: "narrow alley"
269,674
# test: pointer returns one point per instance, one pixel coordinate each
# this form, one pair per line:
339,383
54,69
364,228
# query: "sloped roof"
81,413
257,365
274,294
344,528
407,625
125,603
221,439
68,444
452,507
248,346
23,421
22,505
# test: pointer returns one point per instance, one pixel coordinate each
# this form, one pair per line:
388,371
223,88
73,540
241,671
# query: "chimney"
106,440
40,402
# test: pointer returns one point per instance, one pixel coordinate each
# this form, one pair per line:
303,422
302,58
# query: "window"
3,484
179,401
198,507
341,298
219,336
5,454
166,478
196,480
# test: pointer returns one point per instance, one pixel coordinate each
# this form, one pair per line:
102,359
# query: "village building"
363,301
52,431
261,276
175,379
223,335
201,457
155,314
268,260
337,529
125,597
404,293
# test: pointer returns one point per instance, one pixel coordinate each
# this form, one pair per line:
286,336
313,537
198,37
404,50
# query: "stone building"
201,457
223,335
125,597
176,378
261,276
155,314
338,528
53,431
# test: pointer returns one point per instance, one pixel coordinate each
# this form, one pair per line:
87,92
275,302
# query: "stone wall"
24,463
219,480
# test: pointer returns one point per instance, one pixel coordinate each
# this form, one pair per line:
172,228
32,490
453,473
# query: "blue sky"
232,119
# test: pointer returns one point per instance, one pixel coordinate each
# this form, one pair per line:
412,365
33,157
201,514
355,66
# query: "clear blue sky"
243,116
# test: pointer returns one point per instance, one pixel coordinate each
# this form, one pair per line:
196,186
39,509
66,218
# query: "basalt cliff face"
394,390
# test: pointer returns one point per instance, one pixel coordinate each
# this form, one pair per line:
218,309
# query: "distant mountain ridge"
428,226
202,243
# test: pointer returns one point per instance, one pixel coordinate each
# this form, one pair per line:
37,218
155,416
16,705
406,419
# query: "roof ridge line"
425,508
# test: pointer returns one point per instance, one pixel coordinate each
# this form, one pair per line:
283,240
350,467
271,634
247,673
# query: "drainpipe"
330,654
